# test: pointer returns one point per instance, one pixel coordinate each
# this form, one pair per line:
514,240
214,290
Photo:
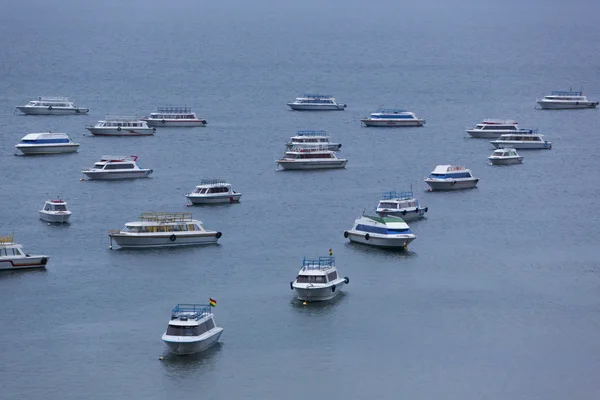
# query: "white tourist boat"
494,128
566,100
388,231
505,156
401,204
191,329
116,167
13,257
212,191
451,177
163,229
310,158
318,280
316,102
311,139
121,126
46,143
524,142
55,211
174,117
392,117
52,106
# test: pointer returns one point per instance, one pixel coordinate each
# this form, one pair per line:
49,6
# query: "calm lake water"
497,298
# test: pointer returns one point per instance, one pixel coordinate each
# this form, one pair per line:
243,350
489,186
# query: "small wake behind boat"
192,328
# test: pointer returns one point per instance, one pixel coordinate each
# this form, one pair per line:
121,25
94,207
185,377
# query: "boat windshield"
5,252
196,330
59,207
310,279
388,205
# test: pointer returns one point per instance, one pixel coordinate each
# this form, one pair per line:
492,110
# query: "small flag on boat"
213,302
330,252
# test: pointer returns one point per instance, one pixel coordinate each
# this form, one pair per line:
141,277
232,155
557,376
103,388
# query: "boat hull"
389,123
395,241
303,165
406,215
166,240
52,111
185,346
452,184
317,107
109,175
554,105
218,199
31,262
122,132
318,294
175,123
327,146
47,149
505,160
480,134
55,218
522,145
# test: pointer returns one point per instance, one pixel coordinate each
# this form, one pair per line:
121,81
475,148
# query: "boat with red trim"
55,211
116,167
13,257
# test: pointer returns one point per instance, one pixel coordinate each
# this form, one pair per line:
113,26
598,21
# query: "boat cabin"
505,152
213,186
121,123
173,113
568,96
320,270
55,205
160,222
8,248
116,162
315,99
450,172
50,102
311,137
392,113
521,138
398,200
46,138
190,320
320,152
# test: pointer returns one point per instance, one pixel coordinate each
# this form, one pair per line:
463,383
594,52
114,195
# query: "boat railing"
301,149
44,98
7,239
118,158
212,182
397,195
526,131
318,96
383,110
198,309
311,133
497,121
318,263
565,93
163,217
121,118
174,110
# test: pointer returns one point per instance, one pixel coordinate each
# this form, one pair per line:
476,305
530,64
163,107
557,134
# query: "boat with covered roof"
392,117
52,106
533,141
116,167
316,102
13,257
163,229
566,100
451,177
174,117
388,231
55,211
212,191
298,158
191,329
494,128
46,143
318,280
401,204
310,139
121,126
505,156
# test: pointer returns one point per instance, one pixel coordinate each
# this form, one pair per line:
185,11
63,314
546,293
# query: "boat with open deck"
13,257
174,117
388,231
310,158
318,280
163,229
191,329
212,191
52,106
401,204
121,126
116,167
316,102
46,143
561,100
310,139
392,117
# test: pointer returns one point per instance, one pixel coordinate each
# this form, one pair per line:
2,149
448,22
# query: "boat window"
191,227
310,279
173,330
210,324
332,276
144,229
17,252
197,227
3,252
388,205
60,207
47,207
132,229
302,279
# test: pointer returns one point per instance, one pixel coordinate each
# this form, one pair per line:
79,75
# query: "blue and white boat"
392,117
390,232
191,329
401,204
316,102
451,177
318,280
47,143
312,139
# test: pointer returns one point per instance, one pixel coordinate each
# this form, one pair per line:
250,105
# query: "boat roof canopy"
397,195
311,133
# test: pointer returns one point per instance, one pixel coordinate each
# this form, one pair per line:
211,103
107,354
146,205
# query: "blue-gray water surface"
497,298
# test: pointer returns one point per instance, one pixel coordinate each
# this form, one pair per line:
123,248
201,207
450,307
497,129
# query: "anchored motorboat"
318,280
524,142
388,231
211,191
52,106
312,139
401,204
494,128
566,100
47,143
310,158
451,177
174,117
191,329
163,229
12,256
55,211
121,126
505,156
116,167
316,102
392,117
